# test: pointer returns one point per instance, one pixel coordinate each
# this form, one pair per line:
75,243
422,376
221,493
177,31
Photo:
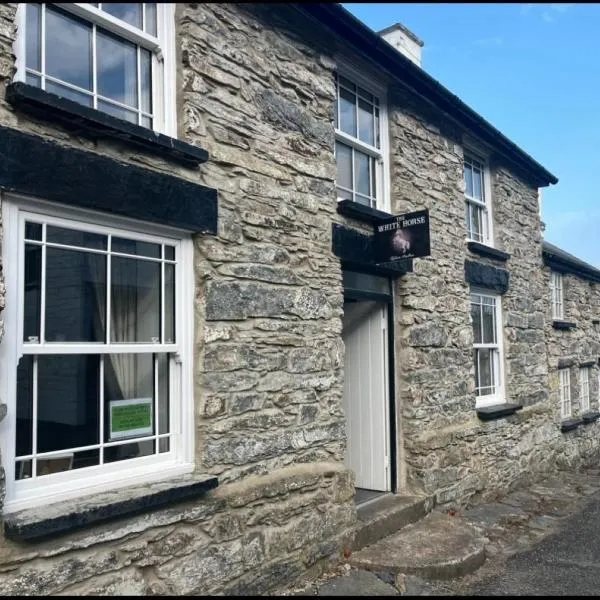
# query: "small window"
359,144
584,382
565,393
477,203
556,295
111,57
487,349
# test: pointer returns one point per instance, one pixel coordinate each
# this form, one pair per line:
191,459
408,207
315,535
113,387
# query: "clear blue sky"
533,71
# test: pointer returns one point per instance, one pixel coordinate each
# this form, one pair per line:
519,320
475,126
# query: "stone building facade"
276,282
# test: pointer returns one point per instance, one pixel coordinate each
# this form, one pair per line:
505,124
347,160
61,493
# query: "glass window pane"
32,293
489,326
128,451
169,253
135,247
377,129
34,37
365,94
24,436
146,79
119,112
366,122
476,316
67,461
129,12
117,68
22,469
476,226
169,303
485,369
347,83
363,180
135,300
163,393
468,180
150,17
33,80
146,122
476,365
75,237
362,200
164,444
68,48
75,296
68,401
477,185
347,112
68,93
343,158
33,231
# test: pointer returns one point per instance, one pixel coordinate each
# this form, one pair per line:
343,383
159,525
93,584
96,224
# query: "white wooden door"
366,393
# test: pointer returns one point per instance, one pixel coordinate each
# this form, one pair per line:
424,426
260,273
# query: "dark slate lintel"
19,527
488,251
486,276
570,424
590,417
355,250
34,166
99,125
563,325
565,363
360,212
497,411
588,363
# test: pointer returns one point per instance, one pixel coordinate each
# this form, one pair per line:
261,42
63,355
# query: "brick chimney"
404,41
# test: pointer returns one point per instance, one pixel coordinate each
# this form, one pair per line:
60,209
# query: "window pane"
34,36
33,80
135,247
169,253
477,185
135,300
75,296
129,396
151,18
476,225
163,393
362,200
75,237
24,436
67,461
347,83
129,12
348,112
377,131
117,68
366,122
343,158
363,181
147,122
128,451
146,79
489,328
468,180
32,295
119,112
33,231
68,93
169,303
476,316
68,401
365,94
485,369
68,49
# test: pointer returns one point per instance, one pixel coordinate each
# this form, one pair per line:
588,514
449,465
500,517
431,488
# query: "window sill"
360,212
557,324
64,517
98,125
590,417
497,411
570,424
487,251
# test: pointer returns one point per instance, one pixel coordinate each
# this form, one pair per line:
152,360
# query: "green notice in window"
129,418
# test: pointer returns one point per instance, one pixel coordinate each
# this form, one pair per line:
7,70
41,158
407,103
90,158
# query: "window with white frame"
556,295
584,382
359,144
117,58
477,201
487,348
564,376
95,359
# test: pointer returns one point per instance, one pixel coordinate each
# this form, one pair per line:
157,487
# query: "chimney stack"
403,40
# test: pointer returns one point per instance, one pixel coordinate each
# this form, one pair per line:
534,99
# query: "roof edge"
560,260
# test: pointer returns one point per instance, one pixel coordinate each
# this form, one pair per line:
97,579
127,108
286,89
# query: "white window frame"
379,90
56,487
564,380
584,389
557,295
162,48
499,396
470,154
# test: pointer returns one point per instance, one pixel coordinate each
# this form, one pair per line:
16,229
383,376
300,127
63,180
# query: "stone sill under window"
590,417
487,251
570,424
65,517
360,212
95,124
557,324
497,411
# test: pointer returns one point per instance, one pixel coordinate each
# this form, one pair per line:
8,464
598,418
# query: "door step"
387,514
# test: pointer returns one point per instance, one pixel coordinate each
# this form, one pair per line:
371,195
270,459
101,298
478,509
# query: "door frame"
388,300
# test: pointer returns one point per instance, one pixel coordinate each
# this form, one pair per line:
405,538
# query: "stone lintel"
497,411
590,417
588,363
563,324
488,251
570,424
65,517
565,363
486,276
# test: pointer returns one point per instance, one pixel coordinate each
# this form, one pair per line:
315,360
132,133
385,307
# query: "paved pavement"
539,540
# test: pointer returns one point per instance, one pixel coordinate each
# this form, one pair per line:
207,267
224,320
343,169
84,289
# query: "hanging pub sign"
402,236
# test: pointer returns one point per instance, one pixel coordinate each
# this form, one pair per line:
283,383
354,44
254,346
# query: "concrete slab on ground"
357,583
